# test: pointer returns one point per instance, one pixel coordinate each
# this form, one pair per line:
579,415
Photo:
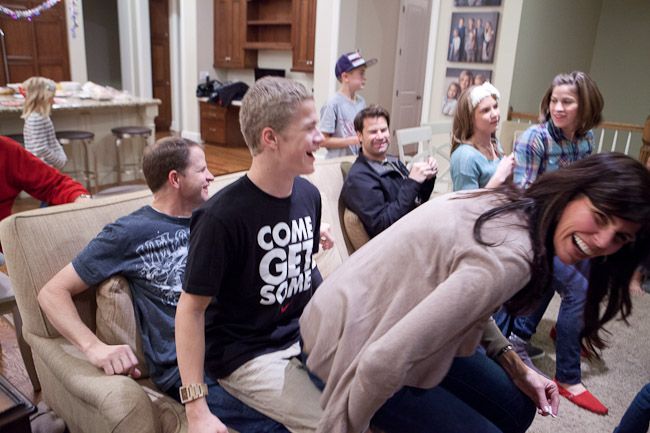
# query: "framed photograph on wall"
457,80
473,37
476,3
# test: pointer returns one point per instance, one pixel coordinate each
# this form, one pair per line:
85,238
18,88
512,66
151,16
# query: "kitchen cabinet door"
303,35
229,35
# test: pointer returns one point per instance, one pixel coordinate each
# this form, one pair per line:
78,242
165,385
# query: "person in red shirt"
22,171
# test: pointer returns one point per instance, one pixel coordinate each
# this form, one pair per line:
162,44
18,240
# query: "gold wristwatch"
192,392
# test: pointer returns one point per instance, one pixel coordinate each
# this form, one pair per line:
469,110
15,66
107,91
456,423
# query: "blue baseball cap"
350,61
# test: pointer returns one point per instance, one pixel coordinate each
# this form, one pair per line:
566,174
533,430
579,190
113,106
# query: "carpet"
615,379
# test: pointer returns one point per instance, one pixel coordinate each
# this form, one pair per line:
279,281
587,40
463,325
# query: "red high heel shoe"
585,400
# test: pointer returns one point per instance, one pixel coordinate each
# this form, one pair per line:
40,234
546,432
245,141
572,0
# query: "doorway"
101,37
410,63
160,61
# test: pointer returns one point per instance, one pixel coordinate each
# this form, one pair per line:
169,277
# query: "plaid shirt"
543,148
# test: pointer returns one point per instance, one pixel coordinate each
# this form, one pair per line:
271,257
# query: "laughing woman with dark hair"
393,331
570,108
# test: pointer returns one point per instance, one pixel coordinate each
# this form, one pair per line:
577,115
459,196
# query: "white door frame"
135,46
431,56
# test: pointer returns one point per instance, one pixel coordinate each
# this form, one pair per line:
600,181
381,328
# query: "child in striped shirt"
39,133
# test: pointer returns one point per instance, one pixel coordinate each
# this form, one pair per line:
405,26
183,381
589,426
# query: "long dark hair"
616,185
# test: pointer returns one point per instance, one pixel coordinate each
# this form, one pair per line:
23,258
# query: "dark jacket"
380,194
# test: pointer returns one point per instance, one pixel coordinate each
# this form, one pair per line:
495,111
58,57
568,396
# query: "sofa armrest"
120,401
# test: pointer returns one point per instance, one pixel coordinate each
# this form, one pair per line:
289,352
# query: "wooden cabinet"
230,35
220,125
303,35
241,27
268,24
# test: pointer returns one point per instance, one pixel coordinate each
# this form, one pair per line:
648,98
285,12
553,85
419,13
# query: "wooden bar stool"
74,141
135,134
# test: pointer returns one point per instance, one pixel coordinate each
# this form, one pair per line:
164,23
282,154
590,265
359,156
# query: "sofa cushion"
115,318
169,414
354,229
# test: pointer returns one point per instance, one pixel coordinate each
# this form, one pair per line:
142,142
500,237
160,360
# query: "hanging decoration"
28,14
74,15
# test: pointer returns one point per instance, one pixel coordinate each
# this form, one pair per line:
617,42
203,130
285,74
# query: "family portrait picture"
475,3
473,37
457,80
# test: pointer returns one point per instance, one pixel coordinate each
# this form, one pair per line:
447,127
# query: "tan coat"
401,308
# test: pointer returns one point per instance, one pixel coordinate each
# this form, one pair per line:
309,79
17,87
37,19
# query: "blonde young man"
250,270
337,115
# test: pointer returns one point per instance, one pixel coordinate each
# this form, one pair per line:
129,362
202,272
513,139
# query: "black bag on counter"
204,90
225,94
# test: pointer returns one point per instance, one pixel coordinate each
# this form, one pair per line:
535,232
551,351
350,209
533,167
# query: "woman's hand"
503,171
541,390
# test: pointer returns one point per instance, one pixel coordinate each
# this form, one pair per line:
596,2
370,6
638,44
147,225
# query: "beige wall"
621,60
205,41
554,36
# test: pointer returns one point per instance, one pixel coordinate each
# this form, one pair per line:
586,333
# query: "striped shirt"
543,148
41,140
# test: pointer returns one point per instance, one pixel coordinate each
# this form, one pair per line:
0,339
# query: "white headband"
486,89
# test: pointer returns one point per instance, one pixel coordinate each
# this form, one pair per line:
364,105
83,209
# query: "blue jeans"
636,418
571,282
232,412
476,395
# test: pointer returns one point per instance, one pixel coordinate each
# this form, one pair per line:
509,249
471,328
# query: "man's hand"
210,424
421,171
201,420
541,390
326,238
113,359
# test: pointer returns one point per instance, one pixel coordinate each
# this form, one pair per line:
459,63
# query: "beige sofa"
38,243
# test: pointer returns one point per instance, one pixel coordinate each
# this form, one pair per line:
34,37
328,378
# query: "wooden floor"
11,363
220,159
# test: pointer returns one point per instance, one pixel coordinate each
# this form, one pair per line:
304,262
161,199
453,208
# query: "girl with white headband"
477,160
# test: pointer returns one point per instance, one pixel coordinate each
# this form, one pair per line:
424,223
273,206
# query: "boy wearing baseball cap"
337,115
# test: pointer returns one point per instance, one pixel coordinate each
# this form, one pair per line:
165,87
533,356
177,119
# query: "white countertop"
10,104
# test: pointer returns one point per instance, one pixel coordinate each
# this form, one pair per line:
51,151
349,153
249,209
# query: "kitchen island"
94,116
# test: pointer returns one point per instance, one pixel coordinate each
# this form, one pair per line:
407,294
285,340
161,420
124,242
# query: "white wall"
326,50
376,37
189,54
621,60
555,36
76,44
205,40
504,57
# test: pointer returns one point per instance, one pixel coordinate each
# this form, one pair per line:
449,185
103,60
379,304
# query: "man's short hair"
370,111
165,155
271,102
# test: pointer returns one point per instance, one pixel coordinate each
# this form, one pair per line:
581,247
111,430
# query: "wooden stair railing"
616,128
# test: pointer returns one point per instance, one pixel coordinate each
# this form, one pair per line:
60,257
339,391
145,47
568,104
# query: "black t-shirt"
253,254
